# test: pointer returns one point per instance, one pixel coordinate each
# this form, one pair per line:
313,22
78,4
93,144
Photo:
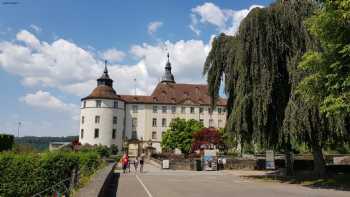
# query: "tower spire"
104,79
106,70
168,77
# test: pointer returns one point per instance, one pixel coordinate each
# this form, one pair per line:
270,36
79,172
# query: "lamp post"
125,144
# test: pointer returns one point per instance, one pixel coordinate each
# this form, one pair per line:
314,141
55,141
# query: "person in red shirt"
125,162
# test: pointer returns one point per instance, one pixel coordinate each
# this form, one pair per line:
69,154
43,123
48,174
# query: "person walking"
125,162
142,157
136,163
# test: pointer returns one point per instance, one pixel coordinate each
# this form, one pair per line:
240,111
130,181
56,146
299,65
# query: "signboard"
133,150
166,164
270,160
209,159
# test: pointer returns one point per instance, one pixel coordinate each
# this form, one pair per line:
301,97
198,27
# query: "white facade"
107,118
102,125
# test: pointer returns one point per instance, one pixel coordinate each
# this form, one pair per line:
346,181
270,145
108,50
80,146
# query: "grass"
338,181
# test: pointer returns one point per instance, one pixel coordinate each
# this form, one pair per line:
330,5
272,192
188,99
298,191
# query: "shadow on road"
110,186
337,182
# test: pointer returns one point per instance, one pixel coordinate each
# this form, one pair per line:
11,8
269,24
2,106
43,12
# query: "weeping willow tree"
258,67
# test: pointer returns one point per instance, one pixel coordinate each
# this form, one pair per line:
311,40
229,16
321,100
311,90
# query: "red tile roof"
170,93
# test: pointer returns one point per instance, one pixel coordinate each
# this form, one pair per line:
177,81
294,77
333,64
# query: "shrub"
6,142
27,174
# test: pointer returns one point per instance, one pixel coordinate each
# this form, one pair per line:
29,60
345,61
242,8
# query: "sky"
52,52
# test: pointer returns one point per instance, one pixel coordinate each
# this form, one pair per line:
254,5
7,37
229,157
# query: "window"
97,133
134,108
155,108
115,104
82,134
133,124
183,110
134,135
97,119
114,132
220,123
115,119
224,110
84,104
154,135
163,122
201,110
164,108
173,109
202,121
82,120
219,110
154,122
192,110
210,122
98,103
210,110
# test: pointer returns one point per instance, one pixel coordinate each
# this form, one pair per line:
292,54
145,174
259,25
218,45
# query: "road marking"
144,186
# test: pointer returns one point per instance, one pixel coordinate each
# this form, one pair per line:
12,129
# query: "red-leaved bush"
207,137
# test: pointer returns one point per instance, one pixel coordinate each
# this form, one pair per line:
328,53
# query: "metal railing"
63,187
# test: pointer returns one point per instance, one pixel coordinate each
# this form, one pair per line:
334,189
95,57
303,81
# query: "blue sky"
51,52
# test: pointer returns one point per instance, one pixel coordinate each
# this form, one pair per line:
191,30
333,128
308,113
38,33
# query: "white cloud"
225,20
45,100
154,26
113,55
35,28
65,66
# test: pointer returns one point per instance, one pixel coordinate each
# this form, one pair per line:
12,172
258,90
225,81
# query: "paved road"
158,183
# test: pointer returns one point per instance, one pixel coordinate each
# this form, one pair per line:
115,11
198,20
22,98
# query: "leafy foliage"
27,174
179,134
206,136
6,142
328,79
259,68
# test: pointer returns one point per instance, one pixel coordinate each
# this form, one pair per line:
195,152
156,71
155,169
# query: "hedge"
27,174
6,142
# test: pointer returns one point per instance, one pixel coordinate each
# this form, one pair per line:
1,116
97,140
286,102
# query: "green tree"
328,79
179,134
259,68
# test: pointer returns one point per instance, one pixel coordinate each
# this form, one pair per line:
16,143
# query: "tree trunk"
289,163
319,162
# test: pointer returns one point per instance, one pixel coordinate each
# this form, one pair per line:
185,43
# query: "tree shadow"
110,186
335,181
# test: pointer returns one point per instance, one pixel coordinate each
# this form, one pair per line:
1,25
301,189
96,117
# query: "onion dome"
104,89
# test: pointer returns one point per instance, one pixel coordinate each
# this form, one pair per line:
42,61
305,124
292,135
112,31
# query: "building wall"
145,117
105,126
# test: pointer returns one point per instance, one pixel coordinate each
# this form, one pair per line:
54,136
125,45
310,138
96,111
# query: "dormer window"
84,104
115,104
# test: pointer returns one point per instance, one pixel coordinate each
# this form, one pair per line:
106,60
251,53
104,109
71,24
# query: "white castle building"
109,118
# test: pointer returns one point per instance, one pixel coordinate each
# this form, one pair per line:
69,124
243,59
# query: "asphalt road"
158,183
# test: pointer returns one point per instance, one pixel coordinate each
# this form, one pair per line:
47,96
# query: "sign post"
270,160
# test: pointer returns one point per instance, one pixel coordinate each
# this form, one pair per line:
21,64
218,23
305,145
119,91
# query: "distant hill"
42,143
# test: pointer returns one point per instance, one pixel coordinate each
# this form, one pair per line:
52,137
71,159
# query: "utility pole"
19,125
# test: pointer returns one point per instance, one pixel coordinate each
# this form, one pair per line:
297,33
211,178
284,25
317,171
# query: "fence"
61,188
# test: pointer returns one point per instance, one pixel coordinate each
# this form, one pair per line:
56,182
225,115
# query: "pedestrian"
142,157
136,163
125,161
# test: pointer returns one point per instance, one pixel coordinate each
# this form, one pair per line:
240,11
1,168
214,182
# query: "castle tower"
102,114
168,77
